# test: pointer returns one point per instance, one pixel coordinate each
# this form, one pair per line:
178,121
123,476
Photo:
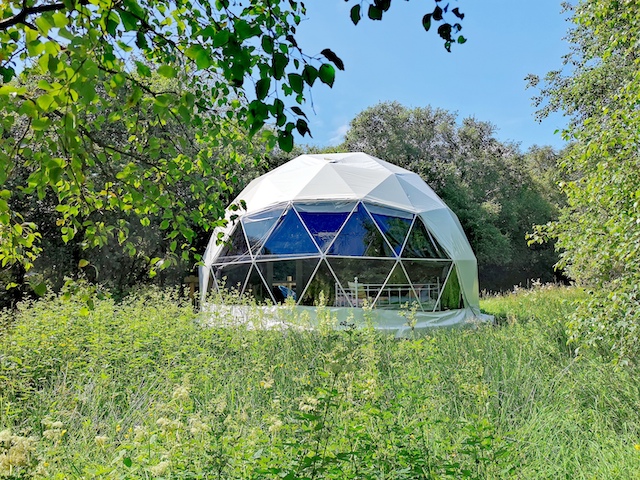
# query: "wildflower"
637,446
53,434
101,440
276,425
5,436
181,393
267,384
167,424
308,404
139,433
59,425
18,453
160,469
196,425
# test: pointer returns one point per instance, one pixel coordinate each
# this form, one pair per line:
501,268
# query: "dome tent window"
378,236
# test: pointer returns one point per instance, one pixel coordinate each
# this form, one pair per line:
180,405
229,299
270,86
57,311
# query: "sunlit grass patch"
143,389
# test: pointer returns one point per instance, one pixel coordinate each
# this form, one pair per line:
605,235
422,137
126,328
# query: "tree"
487,183
598,231
242,66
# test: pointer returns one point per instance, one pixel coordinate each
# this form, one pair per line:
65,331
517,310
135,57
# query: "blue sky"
396,60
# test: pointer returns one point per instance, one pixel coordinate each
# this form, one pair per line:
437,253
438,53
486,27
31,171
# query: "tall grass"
144,389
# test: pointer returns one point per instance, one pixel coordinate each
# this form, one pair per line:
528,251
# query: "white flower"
160,469
181,393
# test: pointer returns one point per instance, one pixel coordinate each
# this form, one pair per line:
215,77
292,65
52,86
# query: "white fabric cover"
359,177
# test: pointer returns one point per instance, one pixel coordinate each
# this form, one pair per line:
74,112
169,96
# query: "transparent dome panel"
324,288
397,292
451,297
421,244
427,277
232,275
235,248
360,237
323,220
395,224
287,278
258,225
289,237
256,287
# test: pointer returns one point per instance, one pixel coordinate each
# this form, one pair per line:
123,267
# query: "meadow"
142,388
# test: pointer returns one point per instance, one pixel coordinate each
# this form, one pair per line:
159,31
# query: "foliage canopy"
599,229
143,107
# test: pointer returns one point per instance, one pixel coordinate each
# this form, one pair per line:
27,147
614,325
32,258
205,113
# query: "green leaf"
309,74
298,111
426,21
296,83
280,62
327,74
40,289
355,14
127,462
267,44
142,69
199,55
221,38
332,57
285,141
262,88
60,20
167,71
375,13
129,21
461,39
302,127
45,102
83,263
163,100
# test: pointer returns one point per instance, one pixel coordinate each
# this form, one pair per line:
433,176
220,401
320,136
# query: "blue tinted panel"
323,226
289,237
360,237
394,228
258,225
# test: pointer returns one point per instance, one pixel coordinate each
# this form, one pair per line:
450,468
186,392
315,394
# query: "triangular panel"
323,281
397,291
317,187
390,192
258,225
420,195
232,275
361,278
287,278
288,238
235,247
451,297
421,244
427,277
394,224
323,225
256,287
360,237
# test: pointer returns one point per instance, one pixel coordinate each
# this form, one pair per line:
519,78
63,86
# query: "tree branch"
22,15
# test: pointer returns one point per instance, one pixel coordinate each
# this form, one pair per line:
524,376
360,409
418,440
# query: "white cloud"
338,134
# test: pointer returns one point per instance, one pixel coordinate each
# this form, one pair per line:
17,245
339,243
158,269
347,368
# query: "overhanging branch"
22,15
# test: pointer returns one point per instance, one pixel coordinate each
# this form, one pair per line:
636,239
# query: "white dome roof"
341,176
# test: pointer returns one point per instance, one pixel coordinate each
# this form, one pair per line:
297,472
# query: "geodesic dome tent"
353,229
